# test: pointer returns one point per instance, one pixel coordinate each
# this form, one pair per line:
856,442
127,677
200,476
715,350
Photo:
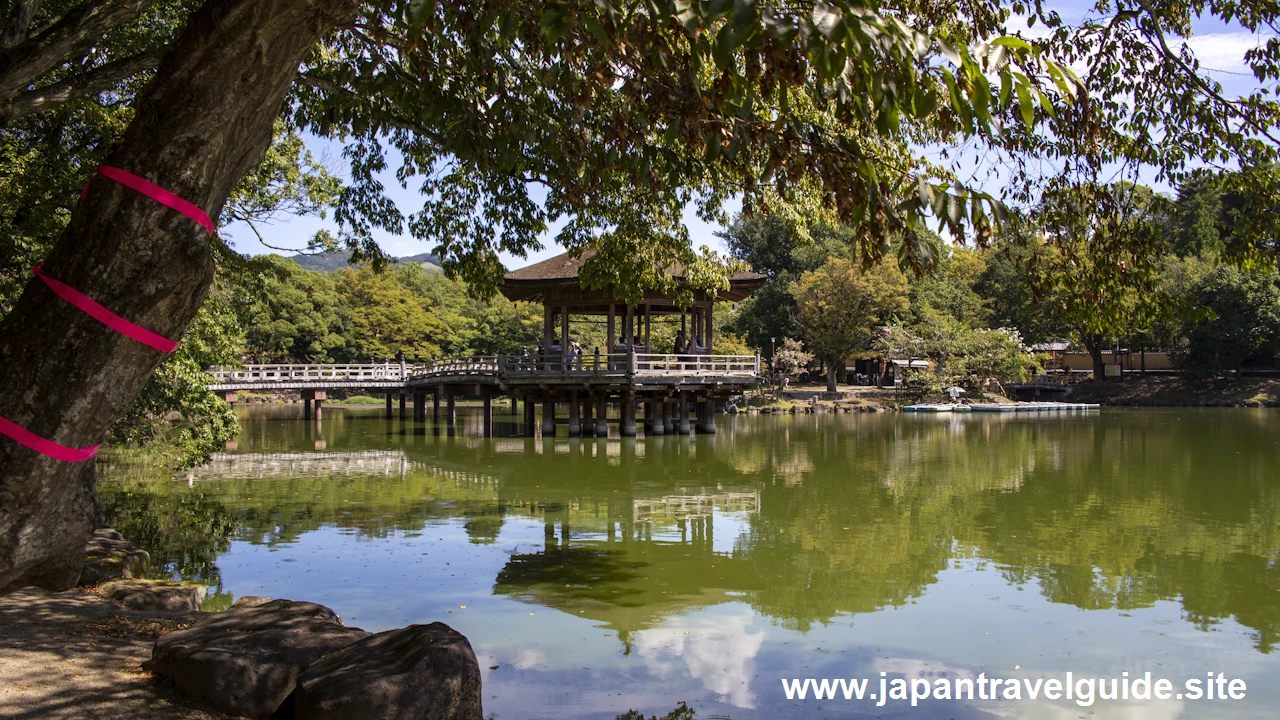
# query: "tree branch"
95,81
19,23
26,62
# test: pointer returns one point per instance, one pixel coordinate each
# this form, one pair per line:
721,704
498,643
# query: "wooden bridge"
588,385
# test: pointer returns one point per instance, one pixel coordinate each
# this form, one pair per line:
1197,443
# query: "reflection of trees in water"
184,530
848,514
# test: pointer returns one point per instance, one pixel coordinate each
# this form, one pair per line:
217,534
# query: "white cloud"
718,651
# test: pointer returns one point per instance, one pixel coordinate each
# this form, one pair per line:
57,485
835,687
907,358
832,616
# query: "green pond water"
600,576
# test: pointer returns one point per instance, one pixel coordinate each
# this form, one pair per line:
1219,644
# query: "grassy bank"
1172,391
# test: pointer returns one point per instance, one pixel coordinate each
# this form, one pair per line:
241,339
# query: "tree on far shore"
839,306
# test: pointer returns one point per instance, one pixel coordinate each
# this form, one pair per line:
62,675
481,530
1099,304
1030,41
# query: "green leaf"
555,23
1013,43
1027,106
744,12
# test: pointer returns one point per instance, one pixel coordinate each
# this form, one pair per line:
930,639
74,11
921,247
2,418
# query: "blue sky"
1220,49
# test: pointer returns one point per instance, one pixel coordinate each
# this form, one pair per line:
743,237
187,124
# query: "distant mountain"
328,262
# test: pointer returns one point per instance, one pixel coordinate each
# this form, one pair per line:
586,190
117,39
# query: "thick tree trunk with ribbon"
205,121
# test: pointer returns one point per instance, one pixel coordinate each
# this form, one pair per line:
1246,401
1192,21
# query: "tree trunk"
202,124
1095,352
831,377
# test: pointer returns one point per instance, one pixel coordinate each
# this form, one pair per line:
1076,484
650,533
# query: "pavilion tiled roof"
563,269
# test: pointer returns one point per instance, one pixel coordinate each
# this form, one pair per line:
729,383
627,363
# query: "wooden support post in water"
388,413
530,421
548,415
575,422
451,410
628,414
682,412
602,415
320,398
435,406
659,410
404,396
588,426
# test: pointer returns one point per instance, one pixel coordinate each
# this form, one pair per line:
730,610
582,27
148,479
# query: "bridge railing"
304,373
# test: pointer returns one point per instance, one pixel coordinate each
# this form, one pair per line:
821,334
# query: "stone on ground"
414,673
155,595
246,660
108,556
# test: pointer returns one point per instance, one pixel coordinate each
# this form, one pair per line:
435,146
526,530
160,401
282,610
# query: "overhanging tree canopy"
621,113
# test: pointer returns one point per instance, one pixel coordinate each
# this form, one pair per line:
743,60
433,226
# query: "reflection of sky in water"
725,659
970,527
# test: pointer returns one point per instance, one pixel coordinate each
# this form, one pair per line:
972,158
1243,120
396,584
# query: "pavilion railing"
389,372
470,365
622,364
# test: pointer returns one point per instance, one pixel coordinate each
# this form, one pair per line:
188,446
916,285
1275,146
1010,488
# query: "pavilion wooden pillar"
613,330
547,328
648,327
710,328
602,415
575,421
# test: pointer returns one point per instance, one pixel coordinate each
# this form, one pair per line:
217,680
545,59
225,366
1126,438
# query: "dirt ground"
78,655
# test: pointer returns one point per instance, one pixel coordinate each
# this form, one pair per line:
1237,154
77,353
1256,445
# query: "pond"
596,576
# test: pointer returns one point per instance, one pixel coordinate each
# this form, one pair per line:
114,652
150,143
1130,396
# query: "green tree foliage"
1243,321
950,288
387,317
299,317
961,353
839,306
176,417
780,250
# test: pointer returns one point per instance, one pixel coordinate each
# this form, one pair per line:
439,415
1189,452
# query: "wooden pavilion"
629,370
555,283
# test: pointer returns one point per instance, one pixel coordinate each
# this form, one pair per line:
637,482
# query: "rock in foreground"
414,673
245,661
108,556
153,595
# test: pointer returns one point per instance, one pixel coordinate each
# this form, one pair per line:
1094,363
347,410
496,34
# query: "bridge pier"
435,406
682,413
419,406
575,422
628,414
659,409
387,415
709,415
403,397
451,410
548,415
602,414
530,420
588,426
